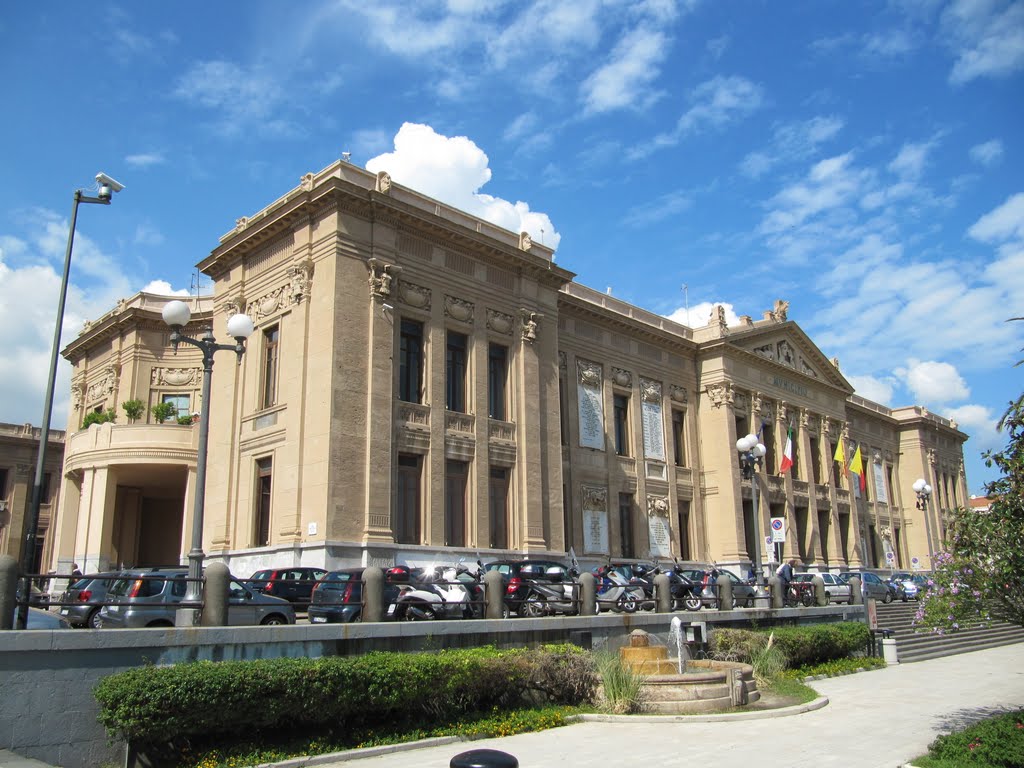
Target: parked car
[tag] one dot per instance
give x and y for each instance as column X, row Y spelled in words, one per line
column 338, row 597
column 82, row 600
column 518, row 573
column 150, row 597
column 743, row 590
column 836, row 591
column 293, row 584
column 870, row 585
column 914, row 586
column 40, row 619
column 37, row 597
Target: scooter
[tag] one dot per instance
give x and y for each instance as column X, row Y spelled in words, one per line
column 548, row 599
column 686, row 593
column 437, row 594
column 615, row 592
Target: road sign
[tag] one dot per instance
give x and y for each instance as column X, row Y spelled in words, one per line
column 778, row 530
column 768, row 541
column 890, row 555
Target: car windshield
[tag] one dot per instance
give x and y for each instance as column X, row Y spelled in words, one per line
column 340, row 576
column 261, row 576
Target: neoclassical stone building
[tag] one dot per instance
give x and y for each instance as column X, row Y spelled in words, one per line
column 422, row 385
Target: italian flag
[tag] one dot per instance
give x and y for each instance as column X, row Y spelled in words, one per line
column 787, row 455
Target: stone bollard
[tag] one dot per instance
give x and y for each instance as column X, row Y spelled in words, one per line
column 494, row 594
column 588, row 595
column 8, row 588
column 775, row 588
column 663, row 593
column 856, row 596
column 820, row 595
column 373, row 595
column 725, row 601
column 215, row 596
column 484, row 758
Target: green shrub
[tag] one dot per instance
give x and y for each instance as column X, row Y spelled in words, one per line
column 623, row 688
column 185, row 420
column 133, row 409
column 998, row 741
column 163, row 411
column 101, row 417
column 802, row 645
column 154, row 706
column 768, row 662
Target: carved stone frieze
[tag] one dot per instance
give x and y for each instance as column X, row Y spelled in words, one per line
column 529, row 320
column 720, row 394
column 807, row 370
column 458, row 309
column 499, row 322
column 589, row 374
column 595, row 498
column 785, row 354
column 650, row 391
column 741, row 402
column 621, row 377
column 382, row 278
column 766, row 351
column 266, row 305
column 415, row 295
column 300, row 280
column 77, row 390
column 176, row 377
column 234, row 305
column 678, row 394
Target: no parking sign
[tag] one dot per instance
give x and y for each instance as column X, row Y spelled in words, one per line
column 778, row 530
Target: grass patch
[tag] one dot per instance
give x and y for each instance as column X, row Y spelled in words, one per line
column 790, row 687
column 275, row 746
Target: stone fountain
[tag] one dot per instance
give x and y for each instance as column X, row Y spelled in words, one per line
column 675, row 686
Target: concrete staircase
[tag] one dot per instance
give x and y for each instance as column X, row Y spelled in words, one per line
column 914, row 645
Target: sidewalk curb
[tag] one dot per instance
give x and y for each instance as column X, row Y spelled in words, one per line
column 357, row 754
column 760, row 714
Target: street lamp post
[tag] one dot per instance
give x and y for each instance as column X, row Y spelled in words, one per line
column 177, row 314
column 752, row 452
column 106, row 189
column 924, row 493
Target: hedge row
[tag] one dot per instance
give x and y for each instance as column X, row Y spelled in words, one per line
column 802, row 646
column 153, row 705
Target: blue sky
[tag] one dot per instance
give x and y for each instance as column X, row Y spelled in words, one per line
column 862, row 160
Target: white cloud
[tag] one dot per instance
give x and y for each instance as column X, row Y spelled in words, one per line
column 910, row 161
column 987, row 38
column 521, row 126
column 830, row 184
column 987, row 154
column 163, row 288
column 625, row 80
column 145, row 160
column 699, row 314
column 891, row 43
column 979, row 422
column 452, row 170
column 148, row 235
column 877, row 390
column 663, row 207
column 932, row 382
column 792, row 141
column 1004, row 223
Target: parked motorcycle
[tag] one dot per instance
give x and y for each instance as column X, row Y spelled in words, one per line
column 615, row 592
column 686, row 593
column 551, row 598
column 438, row 593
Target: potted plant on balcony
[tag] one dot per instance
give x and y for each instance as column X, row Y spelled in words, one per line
column 133, row 409
column 98, row 417
column 163, row 411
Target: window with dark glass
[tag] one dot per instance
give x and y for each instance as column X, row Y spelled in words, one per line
column 407, row 499
column 815, row 459
column 768, row 440
column 497, row 380
column 455, row 476
column 563, row 408
column 742, row 430
column 838, row 470
column 410, row 367
column 180, row 403
column 455, row 372
column 626, row 524
column 44, row 488
column 685, row 552
column 621, row 420
column 270, row 355
column 679, row 437
column 264, row 476
column 498, row 508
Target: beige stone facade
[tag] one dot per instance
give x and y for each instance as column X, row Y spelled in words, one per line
column 423, row 385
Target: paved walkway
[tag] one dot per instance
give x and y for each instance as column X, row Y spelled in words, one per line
column 877, row 719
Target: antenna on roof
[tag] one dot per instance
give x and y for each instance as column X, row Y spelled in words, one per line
column 346, row 157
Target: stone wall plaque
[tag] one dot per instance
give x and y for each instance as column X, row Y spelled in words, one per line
column 654, row 434
column 591, row 410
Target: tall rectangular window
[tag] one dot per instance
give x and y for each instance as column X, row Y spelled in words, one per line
column 796, row 455
column 768, row 440
column 824, row 527
column 563, row 409
column 180, row 403
column 815, row 459
column 270, row 355
column 44, row 489
column 621, row 416
column 455, row 477
column 497, row 381
column 626, row 524
column 406, row 524
column 685, row 552
column 410, row 367
column 742, row 430
column 455, row 372
column 679, row 437
column 838, row 470
column 498, row 508
column 264, row 476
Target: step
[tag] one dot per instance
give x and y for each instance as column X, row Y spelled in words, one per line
column 924, row 654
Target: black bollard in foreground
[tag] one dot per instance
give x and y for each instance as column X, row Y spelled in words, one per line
column 483, row 758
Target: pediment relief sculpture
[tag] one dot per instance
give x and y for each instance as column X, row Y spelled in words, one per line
column 589, row 373
column 175, row 377
column 807, row 370
column 766, row 351
column 678, row 394
column 785, row 354
column 657, row 506
column 499, row 322
column 650, row 390
column 458, row 309
column 720, row 394
column 266, row 305
column 622, row 377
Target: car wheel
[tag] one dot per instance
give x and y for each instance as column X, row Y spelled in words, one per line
column 888, row 597
column 506, row 612
column 93, row 620
column 533, row 608
column 828, row 598
column 274, row 620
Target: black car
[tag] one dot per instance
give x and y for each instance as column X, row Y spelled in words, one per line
column 517, row 574
column 293, row 584
column 338, row 597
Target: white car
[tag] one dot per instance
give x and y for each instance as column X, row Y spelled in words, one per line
column 835, row 590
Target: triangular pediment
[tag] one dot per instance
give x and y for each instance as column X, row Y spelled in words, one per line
column 786, row 346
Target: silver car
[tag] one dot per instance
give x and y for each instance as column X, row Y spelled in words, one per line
column 836, row 591
column 150, row 597
column 870, row 585
column 40, row 619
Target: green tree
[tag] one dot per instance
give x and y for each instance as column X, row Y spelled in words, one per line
column 163, row 411
column 981, row 575
column 133, row 409
column 98, row 417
